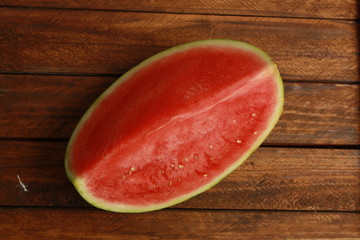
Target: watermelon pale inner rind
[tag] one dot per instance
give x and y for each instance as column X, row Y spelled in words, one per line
column 174, row 126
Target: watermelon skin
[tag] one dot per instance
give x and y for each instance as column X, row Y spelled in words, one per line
column 174, row 126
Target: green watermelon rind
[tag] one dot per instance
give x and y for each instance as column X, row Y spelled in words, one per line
column 80, row 184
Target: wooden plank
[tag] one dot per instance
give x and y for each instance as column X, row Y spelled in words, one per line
column 28, row 223
column 319, row 114
column 272, row 178
column 312, row 9
column 31, row 154
column 107, row 42
column 34, row 106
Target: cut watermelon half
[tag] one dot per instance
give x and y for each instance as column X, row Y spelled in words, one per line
column 174, row 126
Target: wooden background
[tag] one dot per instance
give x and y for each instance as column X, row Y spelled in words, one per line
column 56, row 57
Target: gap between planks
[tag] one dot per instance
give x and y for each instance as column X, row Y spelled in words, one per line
column 66, row 74
column 181, row 13
column 264, row 145
column 177, row 209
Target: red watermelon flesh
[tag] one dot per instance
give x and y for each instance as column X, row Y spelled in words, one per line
column 174, row 126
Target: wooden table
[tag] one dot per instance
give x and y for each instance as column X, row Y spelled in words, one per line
column 56, row 57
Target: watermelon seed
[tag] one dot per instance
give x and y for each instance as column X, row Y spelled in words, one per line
column 24, row 187
column 132, row 169
column 239, row 141
column 234, row 120
column 186, row 159
column 172, row 165
column 181, row 166
column 170, row 183
column 255, row 132
column 210, row 146
column 253, row 115
column 205, row 175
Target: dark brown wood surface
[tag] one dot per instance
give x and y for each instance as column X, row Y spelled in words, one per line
column 298, row 178
column 337, row 9
column 109, row 42
column 314, row 113
column 25, row 223
column 56, row 57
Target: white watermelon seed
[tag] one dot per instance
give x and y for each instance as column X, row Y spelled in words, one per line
column 238, row 141
column 181, row 166
column 132, row 169
column 210, row 146
column 24, row 187
column 255, row 132
column 205, row 175
column 253, row 115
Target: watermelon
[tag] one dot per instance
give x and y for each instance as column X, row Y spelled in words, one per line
column 174, row 126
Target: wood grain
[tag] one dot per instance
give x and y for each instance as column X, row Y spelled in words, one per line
column 312, row 9
column 319, row 114
column 46, row 106
column 107, row 42
column 31, row 154
column 33, row 106
column 90, row 224
column 272, row 178
column 305, row 188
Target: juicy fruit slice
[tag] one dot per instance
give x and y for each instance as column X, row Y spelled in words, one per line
column 174, row 126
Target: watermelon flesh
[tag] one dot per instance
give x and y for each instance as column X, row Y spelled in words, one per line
column 174, row 126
